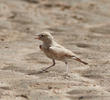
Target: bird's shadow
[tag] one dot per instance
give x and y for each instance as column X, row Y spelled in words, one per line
column 37, row 72
column 65, row 76
column 22, row 70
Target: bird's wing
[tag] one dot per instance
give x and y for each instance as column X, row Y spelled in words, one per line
column 61, row 51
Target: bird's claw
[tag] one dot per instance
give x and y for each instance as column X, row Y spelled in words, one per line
column 66, row 75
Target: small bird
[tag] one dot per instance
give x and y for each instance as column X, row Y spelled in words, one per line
column 55, row 51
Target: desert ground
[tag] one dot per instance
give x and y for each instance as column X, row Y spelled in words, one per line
column 83, row 26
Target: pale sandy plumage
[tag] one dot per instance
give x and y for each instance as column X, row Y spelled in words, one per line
column 55, row 51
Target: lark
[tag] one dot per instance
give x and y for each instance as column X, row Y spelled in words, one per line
column 55, row 51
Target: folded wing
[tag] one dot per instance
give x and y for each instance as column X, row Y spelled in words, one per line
column 61, row 51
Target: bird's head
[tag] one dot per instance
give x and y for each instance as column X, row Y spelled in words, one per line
column 45, row 37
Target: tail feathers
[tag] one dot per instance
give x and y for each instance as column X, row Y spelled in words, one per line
column 77, row 59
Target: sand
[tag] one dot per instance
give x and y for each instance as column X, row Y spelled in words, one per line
column 83, row 26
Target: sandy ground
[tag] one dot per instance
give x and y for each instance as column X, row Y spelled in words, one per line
column 82, row 26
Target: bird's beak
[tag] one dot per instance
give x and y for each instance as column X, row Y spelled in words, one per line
column 37, row 37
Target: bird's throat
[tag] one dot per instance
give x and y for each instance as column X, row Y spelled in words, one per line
column 48, row 43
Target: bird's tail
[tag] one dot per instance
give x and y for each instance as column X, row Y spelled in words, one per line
column 77, row 59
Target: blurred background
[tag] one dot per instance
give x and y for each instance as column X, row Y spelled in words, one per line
column 82, row 26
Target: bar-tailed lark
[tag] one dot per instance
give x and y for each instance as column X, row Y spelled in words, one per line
column 55, row 51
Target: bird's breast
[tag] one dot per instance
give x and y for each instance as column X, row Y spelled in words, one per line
column 46, row 51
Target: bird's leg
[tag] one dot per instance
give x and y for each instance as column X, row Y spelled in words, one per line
column 50, row 66
column 67, row 70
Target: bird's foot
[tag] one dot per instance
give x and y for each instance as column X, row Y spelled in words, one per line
column 66, row 75
column 39, row 72
column 44, row 70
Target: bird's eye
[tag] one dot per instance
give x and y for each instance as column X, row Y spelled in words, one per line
column 41, row 35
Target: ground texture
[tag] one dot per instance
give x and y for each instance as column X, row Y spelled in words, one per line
column 82, row 26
